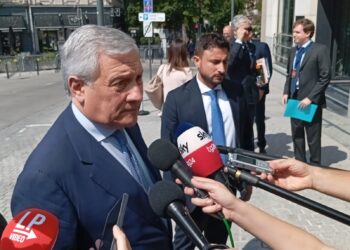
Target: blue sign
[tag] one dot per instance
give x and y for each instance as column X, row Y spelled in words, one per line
column 147, row 6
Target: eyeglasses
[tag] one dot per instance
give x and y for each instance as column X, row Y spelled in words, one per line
column 249, row 29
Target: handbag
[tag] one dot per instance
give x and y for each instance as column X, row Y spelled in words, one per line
column 154, row 90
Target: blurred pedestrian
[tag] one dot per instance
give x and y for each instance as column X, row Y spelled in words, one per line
column 227, row 32
column 176, row 71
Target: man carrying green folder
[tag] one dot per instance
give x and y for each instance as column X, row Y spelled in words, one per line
column 308, row 75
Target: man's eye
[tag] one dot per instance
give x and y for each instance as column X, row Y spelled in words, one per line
column 119, row 85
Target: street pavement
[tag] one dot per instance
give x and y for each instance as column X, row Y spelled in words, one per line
column 19, row 139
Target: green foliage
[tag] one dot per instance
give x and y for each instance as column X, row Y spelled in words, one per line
column 186, row 13
column 154, row 40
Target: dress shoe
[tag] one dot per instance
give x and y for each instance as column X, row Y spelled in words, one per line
column 262, row 151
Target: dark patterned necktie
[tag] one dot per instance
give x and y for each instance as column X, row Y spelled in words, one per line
column 298, row 55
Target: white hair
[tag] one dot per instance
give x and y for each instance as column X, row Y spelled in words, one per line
column 238, row 19
column 80, row 53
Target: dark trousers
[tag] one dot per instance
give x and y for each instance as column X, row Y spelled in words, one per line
column 313, row 133
column 260, row 122
column 214, row 231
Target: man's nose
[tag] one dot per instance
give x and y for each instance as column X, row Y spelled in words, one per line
column 221, row 67
column 136, row 93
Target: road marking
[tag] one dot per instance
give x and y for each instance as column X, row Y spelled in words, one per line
column 34, row 126
column 50, row 83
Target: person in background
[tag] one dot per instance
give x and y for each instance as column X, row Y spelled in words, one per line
column 191, row 46
column 94, row 152
column 242, row 69
column 177, row 71
column 227, row 32
column 262, row 50
column 308, row 75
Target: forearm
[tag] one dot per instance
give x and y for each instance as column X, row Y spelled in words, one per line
column 334, row 182
column 274, row 232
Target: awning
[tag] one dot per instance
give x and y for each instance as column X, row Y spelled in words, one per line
column 16, row 22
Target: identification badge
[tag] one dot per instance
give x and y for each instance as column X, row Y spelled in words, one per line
column 293, row 73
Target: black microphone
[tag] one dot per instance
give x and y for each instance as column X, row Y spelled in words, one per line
column 167, row 200
column 166, row 157
column 288, row 195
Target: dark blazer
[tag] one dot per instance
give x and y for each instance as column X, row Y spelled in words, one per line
column 314, row 74
column 262, row 50
column 241, row 68
column 72, row 176
column 185, row 104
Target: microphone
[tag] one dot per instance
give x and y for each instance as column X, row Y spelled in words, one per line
column 201, row 154
column 31, row 229
column 165, row 156
column 168, row 201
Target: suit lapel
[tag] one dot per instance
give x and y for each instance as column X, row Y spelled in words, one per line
column 193, row 99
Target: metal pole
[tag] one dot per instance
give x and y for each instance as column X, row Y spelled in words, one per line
column 99, row 7
column 150, row 54
column 232, row 10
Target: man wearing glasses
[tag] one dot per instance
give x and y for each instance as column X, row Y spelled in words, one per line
column 241, row 68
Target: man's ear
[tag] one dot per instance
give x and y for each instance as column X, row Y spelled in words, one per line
column 76, row 88
column 196, row 60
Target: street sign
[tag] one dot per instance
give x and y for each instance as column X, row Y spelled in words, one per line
column 147, row 6
column 152, row 17
column 147, row 29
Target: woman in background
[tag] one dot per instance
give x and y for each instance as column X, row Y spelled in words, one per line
column 177, row 71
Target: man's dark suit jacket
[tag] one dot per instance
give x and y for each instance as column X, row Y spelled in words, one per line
column 185, row 104
column 314, row 74
column 72, row 176
column 262, row 50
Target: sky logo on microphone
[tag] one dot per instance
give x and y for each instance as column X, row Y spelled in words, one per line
column 183, row 148
column 202, row 135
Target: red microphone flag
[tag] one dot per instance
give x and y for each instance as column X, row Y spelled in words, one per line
column 31, row 229
column 199, row 152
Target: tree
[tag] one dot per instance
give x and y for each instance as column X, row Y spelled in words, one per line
column 187, row 14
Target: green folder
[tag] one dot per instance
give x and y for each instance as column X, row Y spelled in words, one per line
column 306, row 114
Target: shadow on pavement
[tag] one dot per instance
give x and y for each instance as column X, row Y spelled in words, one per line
column 277, row 144
column 332, row 154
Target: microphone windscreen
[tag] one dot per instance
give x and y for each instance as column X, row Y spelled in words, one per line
column 162, row 154
column 182, row 128
column 31, row 229
column 199, row 152
column 162, row 194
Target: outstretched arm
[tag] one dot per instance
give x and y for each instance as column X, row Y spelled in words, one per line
column 280, row 235
column 295, row 175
